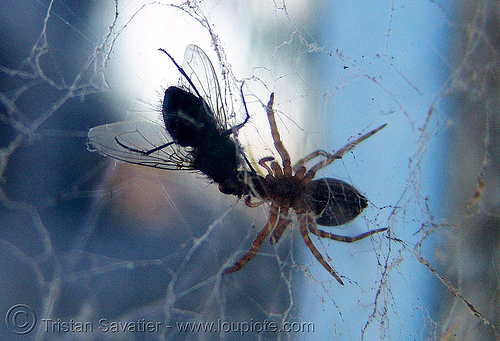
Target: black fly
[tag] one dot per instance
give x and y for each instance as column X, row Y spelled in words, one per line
column 198, row 134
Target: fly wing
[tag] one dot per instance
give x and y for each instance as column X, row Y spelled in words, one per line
column 131, row 142
column 201, row 72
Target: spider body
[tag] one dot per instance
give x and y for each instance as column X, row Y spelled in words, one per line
column 333, row 201
column 283, row 191
column 325, row 201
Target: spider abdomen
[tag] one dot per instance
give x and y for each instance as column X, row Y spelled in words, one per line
column 333, row 201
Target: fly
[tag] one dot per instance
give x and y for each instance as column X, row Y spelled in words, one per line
column 198, row 139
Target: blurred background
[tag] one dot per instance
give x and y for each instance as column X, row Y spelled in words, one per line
column 86, row 239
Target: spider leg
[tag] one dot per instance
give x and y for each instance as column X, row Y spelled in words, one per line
column 283, row 223
column 310, row 157
column 300, row 172
column 338, row 154
column 304, row 221
column 249, row 203
column 278, row 144
column 262, row 163
column 257, row 241
column 345, row 239
column 278, row 172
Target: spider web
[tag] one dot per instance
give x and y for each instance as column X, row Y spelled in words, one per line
column 85, row 239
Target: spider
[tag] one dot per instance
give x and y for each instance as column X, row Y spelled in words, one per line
column 197, row 137
column 326, row 201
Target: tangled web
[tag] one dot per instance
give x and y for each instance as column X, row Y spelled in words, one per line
column 103, row 250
